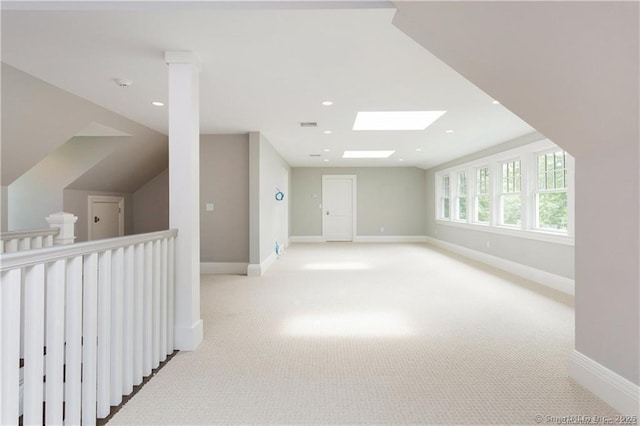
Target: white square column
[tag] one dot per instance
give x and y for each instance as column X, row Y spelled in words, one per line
column 184, row 193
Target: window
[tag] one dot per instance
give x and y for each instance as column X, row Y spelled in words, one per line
column 461, row 197
column 551, row 193
column 510, row 201
column 525, row 192
column 482, row 203
column 444, row 198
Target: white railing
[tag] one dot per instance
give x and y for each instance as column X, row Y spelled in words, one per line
column 103, row 313
column 13, row 241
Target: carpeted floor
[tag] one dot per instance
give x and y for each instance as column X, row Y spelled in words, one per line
column 371, row 333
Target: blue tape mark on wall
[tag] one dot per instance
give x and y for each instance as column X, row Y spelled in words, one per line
column 279, row 195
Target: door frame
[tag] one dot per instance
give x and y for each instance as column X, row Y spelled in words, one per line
column 354, row 203
column 105, row 199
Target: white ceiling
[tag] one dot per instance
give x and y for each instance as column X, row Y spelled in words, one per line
column 266, row 70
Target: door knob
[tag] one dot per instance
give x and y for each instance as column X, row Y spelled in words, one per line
column 96, row 219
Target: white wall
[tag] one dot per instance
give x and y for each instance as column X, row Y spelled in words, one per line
column 570, row 69
column 390, row 197
column 39, row 192
column 151, row 205
column 224, row 182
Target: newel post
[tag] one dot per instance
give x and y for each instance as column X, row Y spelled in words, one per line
column 66, row 223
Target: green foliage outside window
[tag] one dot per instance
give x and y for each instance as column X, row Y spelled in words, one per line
column 511, row 209
column 483, row 208
column 552, row 210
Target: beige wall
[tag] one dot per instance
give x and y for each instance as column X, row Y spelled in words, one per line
column 76, row 201
column 39, row 192
column 224, row 181
column 151, row 205
column 268, row 218
column 570, row 69
column 274, row 173
column 393, row 198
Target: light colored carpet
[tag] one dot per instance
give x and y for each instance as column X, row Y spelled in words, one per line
column 371, row 333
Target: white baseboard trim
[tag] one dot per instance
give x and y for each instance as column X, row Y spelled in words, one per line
column 556, row 282
column 363, row 239
column 189, row 338
column 224, row 268
column 306, row 239
column 390, row 239
column 612, row 388
column 257, row 270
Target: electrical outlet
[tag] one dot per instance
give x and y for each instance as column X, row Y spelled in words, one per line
column 436, row 232
column 488, row 244
column 381, row 229
column 209, row 207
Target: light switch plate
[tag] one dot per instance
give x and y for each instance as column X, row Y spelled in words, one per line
column 209, row 207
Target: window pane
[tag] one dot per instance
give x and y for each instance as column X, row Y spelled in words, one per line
column 483, row 180
column 445, row 186
column 445, row 208
column 511, row 176
column 559, row 160
column 462, row 209
column 482, row 208
column 462, row 183
column 550, row 162
column 559, row 179
column 540, row 164
column 510, row 209
column 552, row 210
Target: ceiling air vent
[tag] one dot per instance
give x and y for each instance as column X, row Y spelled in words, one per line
column 315, row 155
column 308, row 124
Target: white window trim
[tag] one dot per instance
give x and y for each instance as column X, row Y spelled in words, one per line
column 527, row 155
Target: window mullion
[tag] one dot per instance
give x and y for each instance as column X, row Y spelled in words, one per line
column 494, row 192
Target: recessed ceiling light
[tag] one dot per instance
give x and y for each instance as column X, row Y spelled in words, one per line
column 448, row 131
column 418, row 149
column 496, row 102
column 400, row 159
column 326, row 160
column 367, row 154
column 327, row 103
column 396, row 120
column 327, row 132
column 326, row 150
column 157, row 103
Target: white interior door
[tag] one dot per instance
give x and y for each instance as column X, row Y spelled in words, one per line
column 338, row 208
column 105, row 218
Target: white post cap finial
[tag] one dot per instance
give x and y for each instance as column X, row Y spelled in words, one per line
column 66, row 223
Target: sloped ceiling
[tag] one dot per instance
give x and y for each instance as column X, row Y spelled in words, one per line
column 38, row 118
column 264, row 70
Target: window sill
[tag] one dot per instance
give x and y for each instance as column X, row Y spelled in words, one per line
column 549, row 237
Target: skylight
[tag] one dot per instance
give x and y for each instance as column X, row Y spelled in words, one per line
column 396, row 120
column 367, row 154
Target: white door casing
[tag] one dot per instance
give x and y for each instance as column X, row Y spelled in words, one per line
column 338, row 207
column 105, row 217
